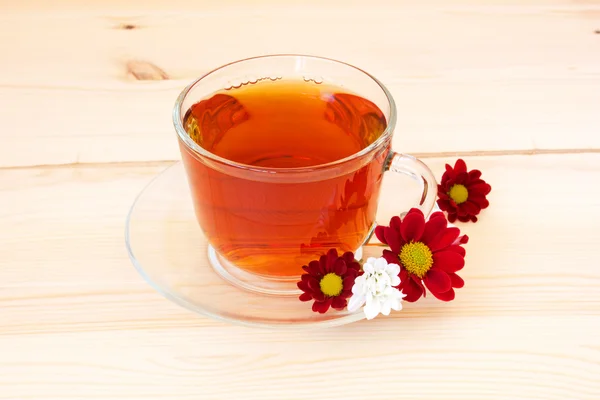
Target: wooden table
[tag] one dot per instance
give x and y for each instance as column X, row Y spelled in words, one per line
column 86, row 90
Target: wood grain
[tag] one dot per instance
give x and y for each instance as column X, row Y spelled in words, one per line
column 78, row 322
column 86, row 90
column 467, row 75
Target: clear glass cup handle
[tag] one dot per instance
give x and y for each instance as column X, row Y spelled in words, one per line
column 417, row 170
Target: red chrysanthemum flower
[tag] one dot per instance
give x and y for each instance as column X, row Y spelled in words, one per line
column 428, row 253
column 329, row 281
column 462, row 193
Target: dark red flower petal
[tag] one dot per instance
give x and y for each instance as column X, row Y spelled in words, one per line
column 415, row 210
column 349, row 258
column 460, row 166
column 444, row 239
column 313, row 283
column 339, row 303
column 332, row 256
column 352, row 273
column 348, row 282
column 469, row 207
column 391, row 257
column 437, row 281
column 323, row 265
column 449, row 261
column 437, row 214
column 393, row 239
column 433, row 228
column 444, row 204
column 353, row 267
column 413, row 226
column 419, row 282
column 446, row 296
column 321, row 306
column 339, row 267
column 482, row 188
column 457, row 249
column 404, row 278
column 452, row 216
column 480, row 200
column 305, row 297
column 302, row 285
column 412, row 291
column 457, row 281
column 462, row 240
column 467, row 218
column 474, row 174
column 449, row 174
column 318, row 296
column 478, row 181
column 396, row 223
column 380, row 233
column 461, row 179
column 312, row 268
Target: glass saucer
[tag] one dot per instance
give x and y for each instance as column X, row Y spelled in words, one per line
column 170, row 251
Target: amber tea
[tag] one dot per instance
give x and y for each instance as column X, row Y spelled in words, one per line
column 272, row 227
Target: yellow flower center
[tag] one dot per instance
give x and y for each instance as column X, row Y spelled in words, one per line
column 417, row 258
column 331, row 285
column 459, row 194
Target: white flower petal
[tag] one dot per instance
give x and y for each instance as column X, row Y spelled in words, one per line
column 359, row 285
column 393, row 269
column 396, row 304
column 398, row 294
column 356, row 302
column 381, row 264
column 386, row 307
column 375, row 289
column 372, row 308
column 371, row 260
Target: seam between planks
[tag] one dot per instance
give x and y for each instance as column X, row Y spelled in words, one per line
column 473, row 153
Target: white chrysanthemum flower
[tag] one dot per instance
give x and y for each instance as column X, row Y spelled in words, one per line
column 375, row 289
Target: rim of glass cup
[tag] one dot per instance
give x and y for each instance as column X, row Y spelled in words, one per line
column 190, row 144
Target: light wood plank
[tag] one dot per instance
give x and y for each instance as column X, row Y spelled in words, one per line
column 76, row 321
column 151, row 6
column 467, row 76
